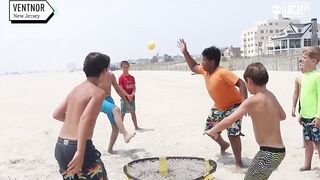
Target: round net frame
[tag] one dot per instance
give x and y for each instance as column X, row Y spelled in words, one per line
column 170, row 168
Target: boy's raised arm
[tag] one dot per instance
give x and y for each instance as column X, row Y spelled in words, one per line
column 190, row 61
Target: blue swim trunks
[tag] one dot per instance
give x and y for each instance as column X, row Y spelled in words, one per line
column 107, row 107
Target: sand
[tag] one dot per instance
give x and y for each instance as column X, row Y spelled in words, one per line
column 171, row 106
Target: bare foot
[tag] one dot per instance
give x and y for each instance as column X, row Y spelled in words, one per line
column 138, row 129
column 110, row 151
column 128, row 137
column 305, row 169
column 239, row 165
column 224, row 147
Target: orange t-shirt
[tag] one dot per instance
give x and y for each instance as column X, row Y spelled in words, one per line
column 221, row 87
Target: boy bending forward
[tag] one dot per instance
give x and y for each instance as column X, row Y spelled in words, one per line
column 266, row 113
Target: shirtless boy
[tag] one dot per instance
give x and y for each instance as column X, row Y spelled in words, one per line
column 113, row 112
column 266, row 114
column 74, row 151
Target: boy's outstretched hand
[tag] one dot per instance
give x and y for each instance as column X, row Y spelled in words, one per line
column 75, row 165
column 182, row 46
column 316, row 122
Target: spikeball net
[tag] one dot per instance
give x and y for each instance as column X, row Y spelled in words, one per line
column 170, row 168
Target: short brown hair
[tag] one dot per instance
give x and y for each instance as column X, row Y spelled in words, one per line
column 313, row 53
column 95, row 63
column 257, row 72
column 124, row 62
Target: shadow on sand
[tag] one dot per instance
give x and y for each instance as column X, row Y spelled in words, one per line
column 132, row 153
column 228, row 159
column 144, row 130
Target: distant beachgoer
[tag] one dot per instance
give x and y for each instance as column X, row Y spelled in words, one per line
column 113, row 112
column 266, row 113
column 310, row 103
column 127, row 84
column 222, row 88
column 74, row 151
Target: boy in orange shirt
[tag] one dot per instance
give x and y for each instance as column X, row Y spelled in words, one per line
column 221, row 85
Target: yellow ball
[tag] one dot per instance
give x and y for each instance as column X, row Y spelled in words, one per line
column 151, row 45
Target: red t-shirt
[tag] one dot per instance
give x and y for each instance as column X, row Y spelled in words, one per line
column 127, row 83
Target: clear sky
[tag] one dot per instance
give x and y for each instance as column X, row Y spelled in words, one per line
column 122, row 29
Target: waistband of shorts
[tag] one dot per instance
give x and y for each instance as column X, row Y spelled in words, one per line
column 273, row 149
column 234, row 105
column 71, row 142
column 307, row 120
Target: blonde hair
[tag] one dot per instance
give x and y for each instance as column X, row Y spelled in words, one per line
column 313, row 53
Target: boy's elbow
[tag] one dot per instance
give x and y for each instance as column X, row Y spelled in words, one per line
column 283, row 116
column 194, row 68
column 57, row 117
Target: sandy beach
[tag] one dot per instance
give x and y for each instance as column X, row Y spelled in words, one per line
column 172, row 107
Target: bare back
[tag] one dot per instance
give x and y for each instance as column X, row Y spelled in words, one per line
column 82, row 104
column 111, row 79
column 266, row 114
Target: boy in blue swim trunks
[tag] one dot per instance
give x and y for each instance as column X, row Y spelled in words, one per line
column 113, row 112
column 310, row 103
column 74, row 151
column 266, row 114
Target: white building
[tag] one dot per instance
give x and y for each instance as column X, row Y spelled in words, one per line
column 231, row 52
column 255, row 40
column 294, row 38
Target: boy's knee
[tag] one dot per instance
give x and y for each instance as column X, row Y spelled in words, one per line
column 116, row 109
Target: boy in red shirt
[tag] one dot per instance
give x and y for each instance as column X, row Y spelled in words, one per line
column 128, row 85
